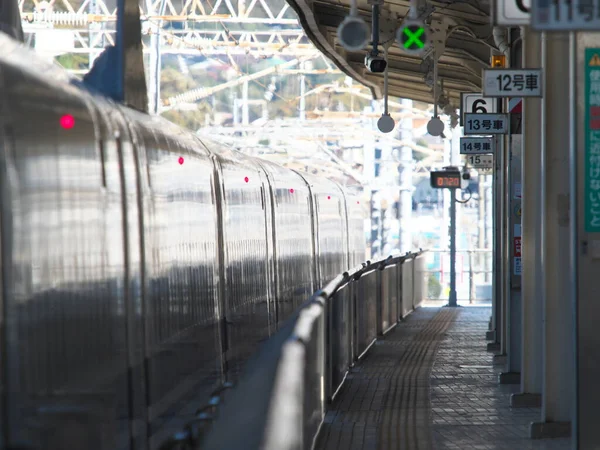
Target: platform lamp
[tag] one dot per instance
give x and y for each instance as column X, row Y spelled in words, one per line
column 385, row 123
column 498, row 61
column 353, row 32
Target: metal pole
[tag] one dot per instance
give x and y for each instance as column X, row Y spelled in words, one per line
column 481, row 257
column 302, row 98
column 245, row 114
column 93, row 9
column 497, row 266
column 557, row 395
column 574, row 156
column 406, row 185
column 531, row 245
column 471, row 278
column 452, row 298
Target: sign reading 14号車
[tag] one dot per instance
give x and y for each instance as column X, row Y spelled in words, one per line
column 476, row 145
column 486, row 124
column 512, row 83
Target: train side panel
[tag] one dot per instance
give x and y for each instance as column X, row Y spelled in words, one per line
column 181, row 273
column 294, row 249
column 357, row 214
column 63, row 265
column 331, row 227
column 246, row 295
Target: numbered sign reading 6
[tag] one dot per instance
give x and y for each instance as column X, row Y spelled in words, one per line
column 472, row 103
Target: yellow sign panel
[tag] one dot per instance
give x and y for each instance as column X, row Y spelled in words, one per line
column 595, row 61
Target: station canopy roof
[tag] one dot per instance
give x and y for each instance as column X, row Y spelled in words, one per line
column 461, row 32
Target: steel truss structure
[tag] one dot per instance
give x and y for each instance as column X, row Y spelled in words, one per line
column 186, row 27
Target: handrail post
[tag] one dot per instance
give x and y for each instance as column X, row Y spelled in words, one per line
column 471, row 278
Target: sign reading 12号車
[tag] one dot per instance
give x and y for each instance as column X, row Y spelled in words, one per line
column 486, row 124
column 512, row 83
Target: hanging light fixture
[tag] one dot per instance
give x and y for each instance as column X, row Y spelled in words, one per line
column 353, row 32
column 385, row 123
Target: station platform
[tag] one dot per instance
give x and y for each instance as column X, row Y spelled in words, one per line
column 430, row 384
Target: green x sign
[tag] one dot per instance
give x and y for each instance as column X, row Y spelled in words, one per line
column 412, row 36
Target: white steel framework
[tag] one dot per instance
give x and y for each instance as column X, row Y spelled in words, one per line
column 195, row 25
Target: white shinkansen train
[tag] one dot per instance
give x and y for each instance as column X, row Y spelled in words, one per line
column 140, row 265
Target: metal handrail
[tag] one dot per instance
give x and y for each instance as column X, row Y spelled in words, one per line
column 284, row 383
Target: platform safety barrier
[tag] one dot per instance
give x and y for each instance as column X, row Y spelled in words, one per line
column 280, row 401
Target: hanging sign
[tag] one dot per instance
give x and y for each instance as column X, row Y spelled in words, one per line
column 512, row 82
column 486, row 124
column 471, row 102
column 481, row 161
column 565, row 15
column 512, row 12
column 476, row 145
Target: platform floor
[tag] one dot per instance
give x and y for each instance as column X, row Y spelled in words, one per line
column 430, row 384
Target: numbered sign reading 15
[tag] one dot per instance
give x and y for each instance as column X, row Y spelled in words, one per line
column 512, row 83
column 486, row 124
column 481, row 161
column 445, row 179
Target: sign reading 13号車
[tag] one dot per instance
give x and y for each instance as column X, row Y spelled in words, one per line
column 486, row 124
column 512, row 83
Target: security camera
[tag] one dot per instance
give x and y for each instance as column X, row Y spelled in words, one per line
column 375, row 64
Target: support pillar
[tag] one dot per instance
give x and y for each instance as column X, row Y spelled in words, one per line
column 497, row 266
column 131, row 58
column 557, row 392
column 531, row 242
column 586, row 238
column 513, row 154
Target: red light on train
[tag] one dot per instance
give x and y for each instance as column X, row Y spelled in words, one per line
column 181, row 160
column 329, row 197
column 358, row 203
column 291, row 190
column 246, row 179
column 67, row 121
